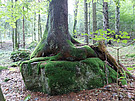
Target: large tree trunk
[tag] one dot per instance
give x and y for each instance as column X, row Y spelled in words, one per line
column 58, row 39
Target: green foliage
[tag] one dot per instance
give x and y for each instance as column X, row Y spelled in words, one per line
column 129, row 68
column 103, row 35
column 130, row 55
column 6, row 80
column 123, row 78
column 27, row 98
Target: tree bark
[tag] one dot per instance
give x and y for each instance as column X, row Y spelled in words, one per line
column 39, row 26
column 23, row 32
column 94, row 18
column 13, row 37
column 105, row 16
column 16, row 35
column 75, row 17
column 58, row 38
column 117, row 18
column 1, row 95
column 34, row 26
column 86, row 20
column 89, row 17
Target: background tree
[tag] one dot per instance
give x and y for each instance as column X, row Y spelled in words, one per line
column 94, row 18
column 117, row 17
column 1, row 95
column 105, row 16
column 75, row 17
column 86, row 20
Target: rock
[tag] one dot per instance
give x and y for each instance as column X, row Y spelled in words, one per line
column 60, row 77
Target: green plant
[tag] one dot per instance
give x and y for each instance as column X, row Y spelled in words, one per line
column 27, row 98
column 2, row 67
column 6, row 80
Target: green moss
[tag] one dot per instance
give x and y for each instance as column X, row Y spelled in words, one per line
column 29, row 68
column 2, row 67
column 80, row 53
column 40, row 45
column 38, row 67
column 60, row 75
column 52, row 58
column 63, row 74
column 97, row 66
column 70, row 43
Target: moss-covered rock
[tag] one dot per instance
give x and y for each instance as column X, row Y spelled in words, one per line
column 60, row 77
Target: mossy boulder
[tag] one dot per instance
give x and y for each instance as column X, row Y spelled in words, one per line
column 60, row 77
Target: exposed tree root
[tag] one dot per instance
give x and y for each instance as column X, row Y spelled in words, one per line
column 103, row 54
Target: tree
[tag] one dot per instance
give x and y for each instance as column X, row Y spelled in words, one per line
column 34, row 26
column 105, row 16
column 94, row 18
column 86, row 20
column 39, row 25
column 1, row 95
column 16, row 34
column 58, row 36
column 75, row 17
column 59, row 57
column 23, row 31
column 117, row 17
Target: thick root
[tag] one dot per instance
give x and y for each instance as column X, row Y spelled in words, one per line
column 103, row 54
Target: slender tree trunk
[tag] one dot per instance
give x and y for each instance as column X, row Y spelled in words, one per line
column 86, row 20
column 94, row 18
column 117, row 18
column 1, row 40
column 40, row 28
column 16, row 35
column 105, row 16
column 23, row 32
column 75, row 17
column 16, row 43
column 133, row 20
column 34, row 26
column 1, row 95
column 13, row 37
column 105, row 19
column 89, row 16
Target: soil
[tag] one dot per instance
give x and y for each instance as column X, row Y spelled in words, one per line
column 14, row 89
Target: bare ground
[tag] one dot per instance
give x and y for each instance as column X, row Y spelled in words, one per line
column 14, row 89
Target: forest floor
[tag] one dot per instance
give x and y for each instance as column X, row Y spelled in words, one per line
column 14, row 89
